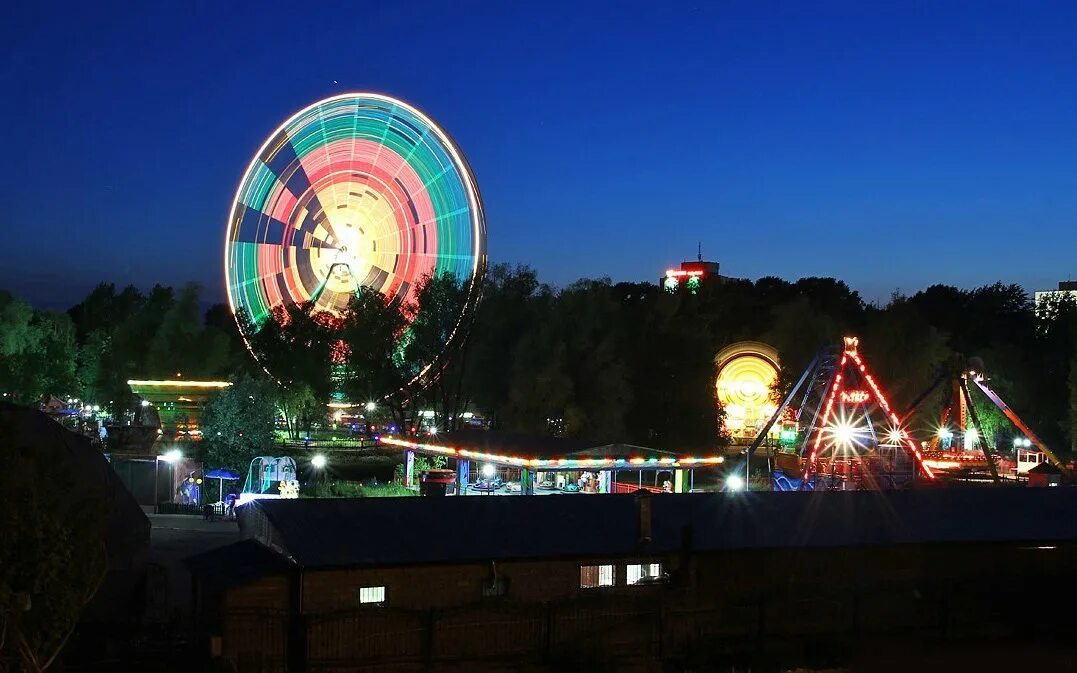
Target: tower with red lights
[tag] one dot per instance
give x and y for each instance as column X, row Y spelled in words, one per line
column 690, row 276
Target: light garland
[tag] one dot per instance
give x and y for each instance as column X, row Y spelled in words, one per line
column 610, row 462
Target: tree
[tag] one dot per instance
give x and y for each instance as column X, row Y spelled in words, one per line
column 513, row 305
column 438, row 340
column 299, row 408
column 38, row 354
column 296, row 345
column 373, row 340
column 905, row 354
column 798, row 331
column 238, row 423
column 52, row 560
column 182, row 344
column 1073, row 403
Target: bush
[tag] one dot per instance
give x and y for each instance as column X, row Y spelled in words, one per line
column 350, row 489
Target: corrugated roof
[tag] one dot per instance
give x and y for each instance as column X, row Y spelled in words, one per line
column 405, row 531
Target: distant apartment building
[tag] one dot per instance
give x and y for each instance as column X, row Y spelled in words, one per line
column 1064, row 287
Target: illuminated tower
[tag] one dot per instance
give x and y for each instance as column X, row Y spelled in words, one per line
column 691, row 274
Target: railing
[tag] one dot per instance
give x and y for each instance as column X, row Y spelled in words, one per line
column 216, row 509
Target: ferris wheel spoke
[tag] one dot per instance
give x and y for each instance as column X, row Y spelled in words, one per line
column 357, row 190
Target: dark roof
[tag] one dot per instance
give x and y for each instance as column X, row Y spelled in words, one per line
column 404, row 531
column 24, row 430
column 621, row 451
column 235, row 564
column 1045, row 468
column 392, row 531
column 75, row 472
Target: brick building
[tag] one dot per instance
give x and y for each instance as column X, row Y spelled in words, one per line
column 624, row 582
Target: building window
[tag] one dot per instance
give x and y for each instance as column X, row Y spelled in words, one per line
column 372, row 595
column 635, row 572
column 592, row 577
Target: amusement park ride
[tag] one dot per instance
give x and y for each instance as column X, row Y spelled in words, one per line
column 846, row 435
column 361, row 191
column 958, row 409
column 840, row 431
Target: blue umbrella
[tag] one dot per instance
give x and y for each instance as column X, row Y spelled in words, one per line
column 222, row 474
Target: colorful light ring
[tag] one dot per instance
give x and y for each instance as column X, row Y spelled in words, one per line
column 744, row 388
column 555, row 463
column 355, row 191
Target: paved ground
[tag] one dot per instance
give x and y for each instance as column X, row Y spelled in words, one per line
column 174, row 537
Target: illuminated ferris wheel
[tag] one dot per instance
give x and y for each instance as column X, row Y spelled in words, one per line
column 355, row 191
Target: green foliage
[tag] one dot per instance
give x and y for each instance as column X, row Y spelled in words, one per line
column 1073, row 402
column 38, row 352
column 296, row 345
column 238, row 422
column 131, row 335
column 422, row 464
column 370, row 330
column 300, row 409
column 904, row 351
column 52, row 559
column 597, row 360
column 349, row 489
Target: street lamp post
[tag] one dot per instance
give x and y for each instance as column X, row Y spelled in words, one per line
column 170, row 457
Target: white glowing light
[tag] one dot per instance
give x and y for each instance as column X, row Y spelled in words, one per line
column 945, row 433
column 371, row 406
column 488, row 470
column 318, row 462
column 734, row 482
column 173, row 456
column 845, row 434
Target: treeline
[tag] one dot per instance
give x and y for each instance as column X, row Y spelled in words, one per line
column 600, row 360
column 92, row 350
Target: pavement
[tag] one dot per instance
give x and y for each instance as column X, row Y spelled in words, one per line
column 174, row 537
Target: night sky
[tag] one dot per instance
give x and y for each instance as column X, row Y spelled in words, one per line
column 893, row 146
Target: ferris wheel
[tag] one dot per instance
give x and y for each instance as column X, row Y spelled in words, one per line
column 355, row 191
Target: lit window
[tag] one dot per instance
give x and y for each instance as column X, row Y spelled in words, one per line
column 639, row 571
column 592, row 577
column 371, row 595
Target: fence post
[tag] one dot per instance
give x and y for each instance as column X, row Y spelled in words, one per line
column 295, row 640
column 659, row 624
column 547, row 633
column 430, row 636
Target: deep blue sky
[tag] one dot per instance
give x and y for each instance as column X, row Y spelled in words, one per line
column 892, row 145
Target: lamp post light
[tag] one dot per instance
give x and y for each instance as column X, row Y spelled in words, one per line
column 170, row 457
column 734, row 482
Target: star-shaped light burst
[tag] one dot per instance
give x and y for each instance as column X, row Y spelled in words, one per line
column 895, row 436
column 846, row 434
